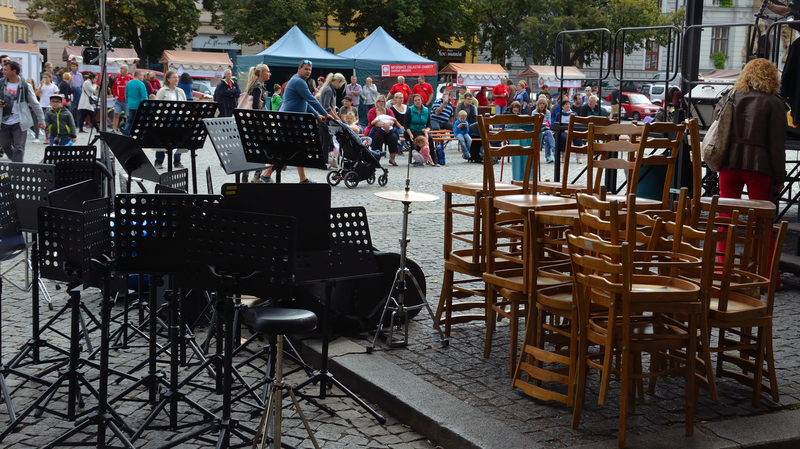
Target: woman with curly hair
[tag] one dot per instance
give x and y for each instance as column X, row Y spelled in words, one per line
column 757, row 152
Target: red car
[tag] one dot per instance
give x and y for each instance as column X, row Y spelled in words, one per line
column 637, row 106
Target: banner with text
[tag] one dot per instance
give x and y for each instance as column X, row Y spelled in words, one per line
column 408, row 69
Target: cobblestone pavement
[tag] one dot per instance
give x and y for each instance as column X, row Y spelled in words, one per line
column 460, row 369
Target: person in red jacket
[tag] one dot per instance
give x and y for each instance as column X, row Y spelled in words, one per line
column 120, row 82
column 500, row 96
column 401, row 87
column 425, row 90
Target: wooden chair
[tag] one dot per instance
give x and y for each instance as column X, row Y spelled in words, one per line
column 736, row 314
column 464, row 253
column 605, row 142
column 506, row 227
column 667, row 158
column 693, row 129
column 564, row 187
column 603, row 276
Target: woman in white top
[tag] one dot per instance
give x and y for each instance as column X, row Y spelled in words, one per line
column 170, row 92
column 399, row 109
column 86, row 105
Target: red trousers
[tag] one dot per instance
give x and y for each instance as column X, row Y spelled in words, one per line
column 759, row 187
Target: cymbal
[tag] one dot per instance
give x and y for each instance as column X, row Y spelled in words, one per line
column 409, row 196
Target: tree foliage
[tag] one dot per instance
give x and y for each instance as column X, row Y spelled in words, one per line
column 149, row 26
column 523, row 26
column 420, row 25
column 256, row 21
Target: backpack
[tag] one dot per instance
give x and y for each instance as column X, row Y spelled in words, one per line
column 440, row 152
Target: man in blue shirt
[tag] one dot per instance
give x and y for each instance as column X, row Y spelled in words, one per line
column 135, row 92
column 441, row 113
column 297, row 97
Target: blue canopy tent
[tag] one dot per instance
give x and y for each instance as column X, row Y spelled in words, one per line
column 379, row 55
column 285, row 55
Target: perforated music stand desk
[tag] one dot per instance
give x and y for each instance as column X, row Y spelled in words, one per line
column 224, row 136
column 173, row 125
column 128, row 151
column 73, row 164
column 281, row 139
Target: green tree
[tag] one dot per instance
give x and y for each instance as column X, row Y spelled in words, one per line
column 498, row 33
column 420, row 25
column 519, row 26
column 149, row 26
column 256, row 21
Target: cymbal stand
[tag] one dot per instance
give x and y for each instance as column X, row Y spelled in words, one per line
column 399, row 319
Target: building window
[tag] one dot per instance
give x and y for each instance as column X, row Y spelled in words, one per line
column 651, row 55
column 616, row 62
column 719, row 40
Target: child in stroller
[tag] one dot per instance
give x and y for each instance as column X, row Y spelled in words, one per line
column 356, row 161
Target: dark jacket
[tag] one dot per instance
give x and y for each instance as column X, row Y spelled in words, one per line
column 587, row 111
column 790, row 80
column 227, row 96
column 472, row 112
column 758, row 134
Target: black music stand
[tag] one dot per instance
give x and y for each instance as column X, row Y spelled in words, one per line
column 234, row 253
column 70, row 240
column 350, row 257
column 177, row 180
column 146, row 241
column 281, row 139
column 224, row 136
column 31, row 183
column 173, row 125
column 12, row 244
column 73, row 164
column 131, row 157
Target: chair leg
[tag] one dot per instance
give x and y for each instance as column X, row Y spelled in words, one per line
column 759, row 365
column 490, row 318
column 514, row 324
column 721, row 351
column 605, row 377
column 773, row 381
column 626, row 386
column 691, row 386
column 580, row 389
column 705, row 351
column 446, row 301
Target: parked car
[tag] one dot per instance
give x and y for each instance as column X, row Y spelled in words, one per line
column 637, row 106
column 655, row 92
column 608, row 85
column 660, row 77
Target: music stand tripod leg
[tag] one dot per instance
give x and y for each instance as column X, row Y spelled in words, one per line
column 3, row 388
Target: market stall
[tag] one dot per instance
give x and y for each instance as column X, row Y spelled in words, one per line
column 474, row 74
column 285, row 55
column 198, row 64
column 546, row 75
column 28, row 57
column 381, row 57
column 114, row 59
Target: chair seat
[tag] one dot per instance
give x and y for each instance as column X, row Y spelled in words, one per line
column 551, row 187
column 471, row 188
column 642, row 204
column 740, row 204
column 740, row 307
column 520, row 204
column 279, row 321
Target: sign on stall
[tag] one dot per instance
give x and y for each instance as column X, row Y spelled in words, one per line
column 408, row 69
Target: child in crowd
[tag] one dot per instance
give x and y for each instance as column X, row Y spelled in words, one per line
column 351, row 120
column 60, row 124
column 424, row 150
column 461, row 130
column 276, row 97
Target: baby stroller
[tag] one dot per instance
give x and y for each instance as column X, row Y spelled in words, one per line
column 356, row 163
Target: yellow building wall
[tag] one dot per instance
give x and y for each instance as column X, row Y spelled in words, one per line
column 11, row 29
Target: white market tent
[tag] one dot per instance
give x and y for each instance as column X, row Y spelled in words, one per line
column 474, row 74
column 198, row 64
column 546, row 74
column 28, row 57
column 114, row 58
